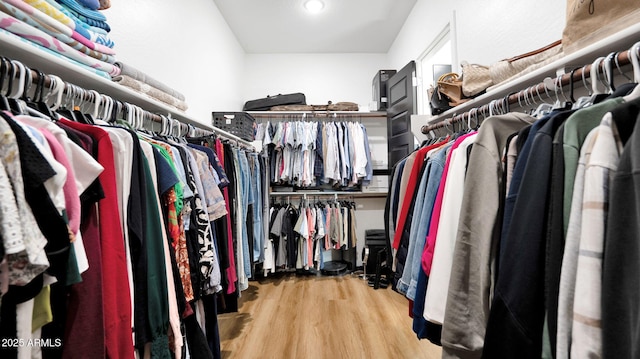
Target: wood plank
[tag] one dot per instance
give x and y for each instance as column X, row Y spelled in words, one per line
column 293, row 316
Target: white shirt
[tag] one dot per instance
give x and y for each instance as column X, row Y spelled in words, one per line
column 568, row 272
column 436, row 298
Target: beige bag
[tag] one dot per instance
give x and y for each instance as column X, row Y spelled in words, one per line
column 504, row 70
column 590, row 21
column 450, row 85
column 338, row 106
column 475, row 79
column 291, row 108
column 342, row 106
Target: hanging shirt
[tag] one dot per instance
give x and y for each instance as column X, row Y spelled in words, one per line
column 436, row 298
column 342, row 158
column 302, row 228
column 425, row 198
column 518, row 310
column 231, row 271
column 586, row 338
column 318, row 167
column 577, row 128
column 512, row 155
column 176, row 341
column 122, row 143
column 311, row 223
column 412, row 179
column 620, row 260
column 22, row 240
column 470, row 281
column 212, row 195
column 117, row 305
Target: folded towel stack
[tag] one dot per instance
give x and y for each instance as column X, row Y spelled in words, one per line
column 73, row 30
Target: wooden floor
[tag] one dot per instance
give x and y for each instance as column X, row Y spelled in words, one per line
column 320, row 317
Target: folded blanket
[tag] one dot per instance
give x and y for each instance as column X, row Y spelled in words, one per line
column 98, row 30
column 83, row 10
column 30, row 33
column 6, row 36
column 136, row 74
column 84, row 23
column 88, row 22
column 59, row 26
column 150, row 91
column 21, row 15
column 61, row 17
column 91, row 4
column 93, row 23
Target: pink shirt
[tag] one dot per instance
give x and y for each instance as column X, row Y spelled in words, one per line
column 427, row 253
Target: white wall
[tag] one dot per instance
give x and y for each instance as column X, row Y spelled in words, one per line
column 186, row 45
column 487, row 30
column 321, row 77
column 217, row 75
column 190, row 47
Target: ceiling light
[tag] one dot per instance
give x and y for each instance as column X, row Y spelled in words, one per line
column 314, row 6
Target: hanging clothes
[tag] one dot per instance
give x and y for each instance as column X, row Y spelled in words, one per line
column 149, row 208
column 620, row 259
column 436, row 234
column 309, row 154
column 299, row 235
column 509, row 282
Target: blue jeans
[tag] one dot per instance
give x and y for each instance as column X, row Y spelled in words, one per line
column 245, row 182
column 256, row 190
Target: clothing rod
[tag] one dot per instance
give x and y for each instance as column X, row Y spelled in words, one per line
column 329, row 194
column 574, row 77
column 275, row 194
column 321, row 114
column 231, row 136
column 85, row 95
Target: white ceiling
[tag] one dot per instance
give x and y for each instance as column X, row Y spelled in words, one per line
column 344, row 26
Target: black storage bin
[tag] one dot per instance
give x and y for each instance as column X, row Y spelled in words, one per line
column 240, row 124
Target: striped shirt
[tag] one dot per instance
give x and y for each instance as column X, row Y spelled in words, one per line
column 587, row 331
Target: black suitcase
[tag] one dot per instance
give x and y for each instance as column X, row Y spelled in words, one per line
column 265, row 104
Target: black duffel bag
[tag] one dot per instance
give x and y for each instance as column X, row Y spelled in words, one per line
column 265, row 104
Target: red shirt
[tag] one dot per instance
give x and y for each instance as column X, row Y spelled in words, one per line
column 411, row 189
column 118, row 339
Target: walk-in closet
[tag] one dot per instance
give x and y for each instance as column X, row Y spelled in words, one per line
column 319, row 179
